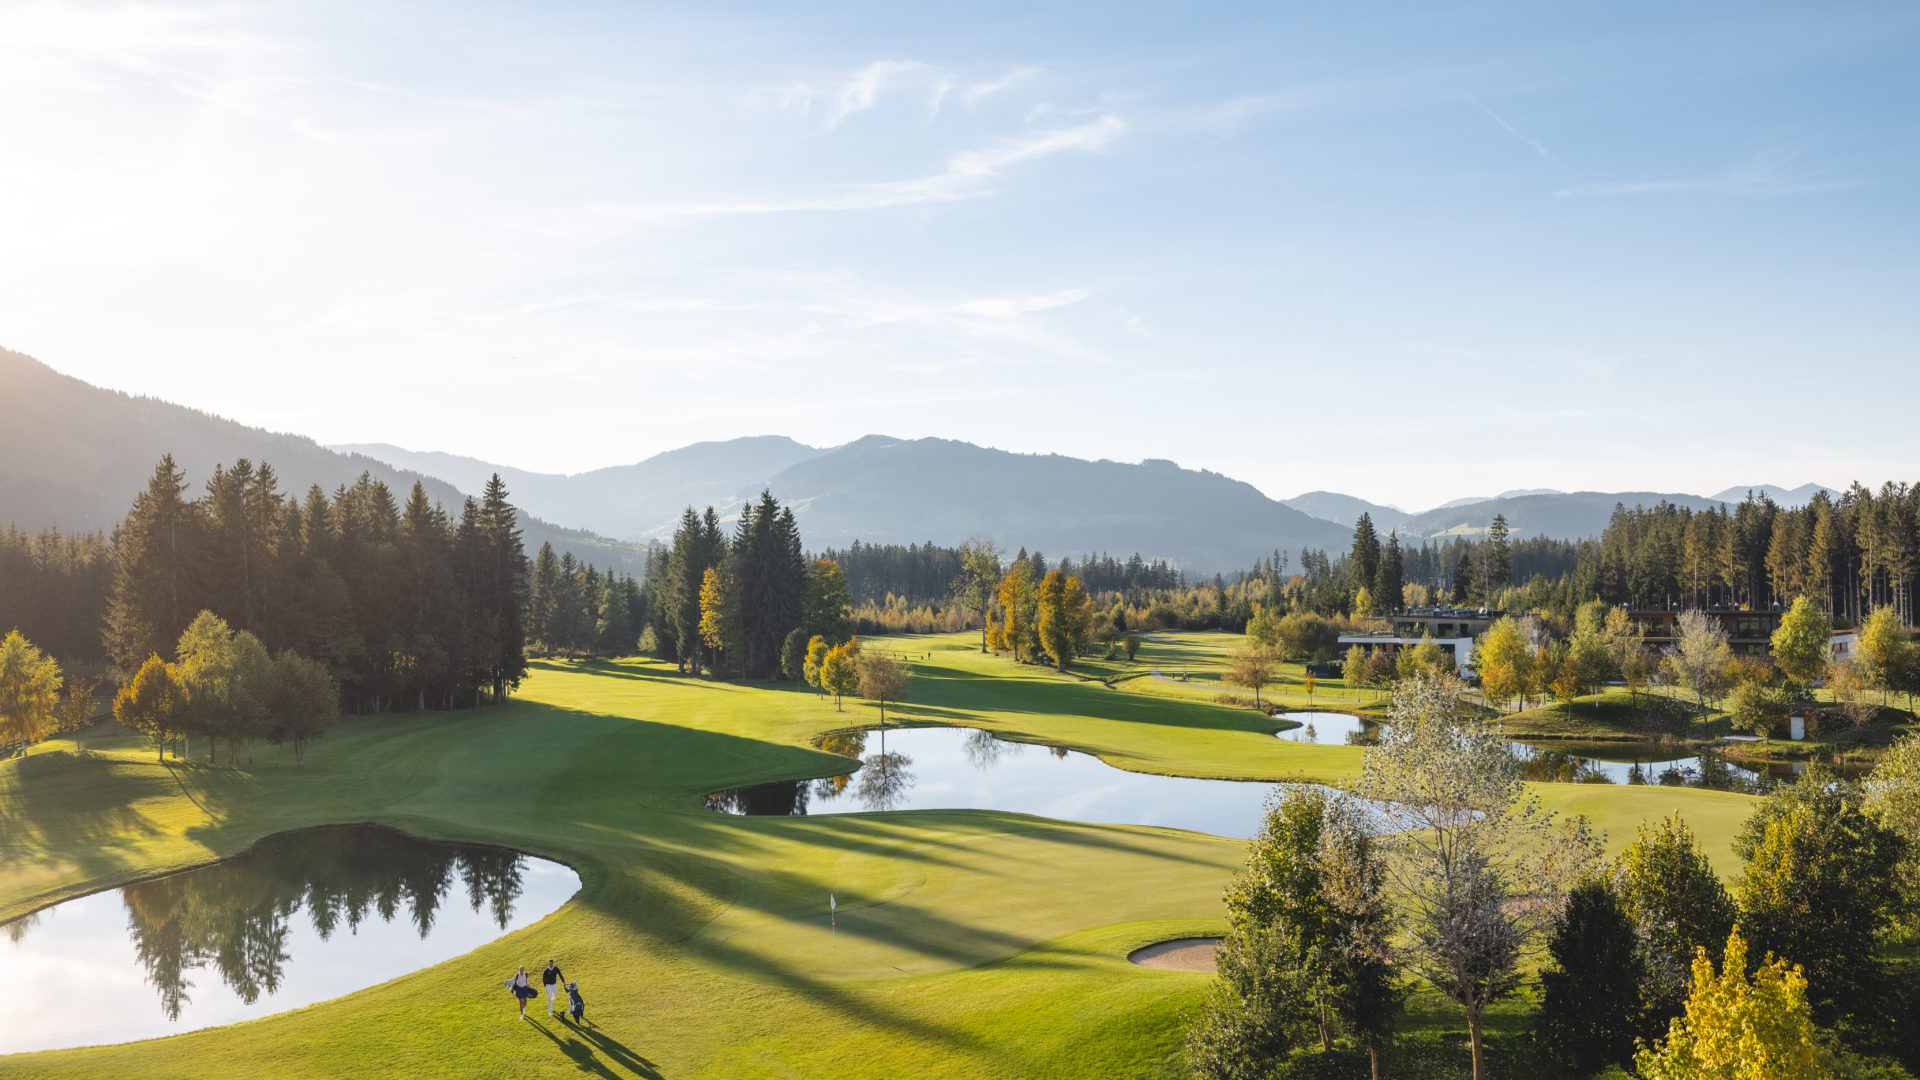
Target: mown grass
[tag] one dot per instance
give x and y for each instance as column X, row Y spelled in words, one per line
column 970, row 943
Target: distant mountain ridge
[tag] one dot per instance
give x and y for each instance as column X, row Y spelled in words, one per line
column 1792, row 499
column 1567, row 515
column 1346, row 509
column 74, row 455
column 884, row 489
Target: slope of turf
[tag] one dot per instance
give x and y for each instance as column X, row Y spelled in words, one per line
column 970, row 944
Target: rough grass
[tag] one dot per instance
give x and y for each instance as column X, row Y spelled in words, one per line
column 971, row 944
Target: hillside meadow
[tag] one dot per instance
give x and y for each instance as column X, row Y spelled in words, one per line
column 970, row 943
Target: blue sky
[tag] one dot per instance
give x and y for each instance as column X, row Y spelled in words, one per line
column 1411, row 253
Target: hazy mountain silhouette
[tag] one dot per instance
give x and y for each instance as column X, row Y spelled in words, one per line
column 625, row 500
column 1346, row 509
column 1797, row 497
column 75, row 455
column 1567, row 515
column 881, row 489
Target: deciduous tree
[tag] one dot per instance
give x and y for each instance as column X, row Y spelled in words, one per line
column 1251, row 667
column 1803, row 643
column 1739, row 1029
column 153, row 703
column 1479, row 870
column 1669, row 889
column 29, row 690
column 883, row 680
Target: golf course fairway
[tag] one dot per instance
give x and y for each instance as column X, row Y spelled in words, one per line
column 969, row 943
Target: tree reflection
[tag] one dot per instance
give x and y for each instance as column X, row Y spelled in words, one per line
column 883, row 780
column 777, row 798
column 237, row 916
column 984, row 750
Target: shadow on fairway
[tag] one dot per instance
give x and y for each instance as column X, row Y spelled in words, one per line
column 580, row 1050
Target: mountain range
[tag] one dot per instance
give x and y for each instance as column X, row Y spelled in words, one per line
column 884, row 489
column 73, row 455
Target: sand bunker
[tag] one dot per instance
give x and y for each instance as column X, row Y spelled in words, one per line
column 1180, row 954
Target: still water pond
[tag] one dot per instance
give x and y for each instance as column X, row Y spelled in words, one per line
column 1649, row 762
column 300, row 918
column 943, row 768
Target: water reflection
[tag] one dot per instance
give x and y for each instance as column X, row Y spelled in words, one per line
column 226, row 942
column 964, row 768
column 1329, row 729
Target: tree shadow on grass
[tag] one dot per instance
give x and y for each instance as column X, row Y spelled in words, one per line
column 590, row 1037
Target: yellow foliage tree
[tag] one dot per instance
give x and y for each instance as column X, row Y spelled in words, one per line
column 1504, row 659
column 29, row 690
column 1740, row 1030
column 716, row 622
column 840, row 671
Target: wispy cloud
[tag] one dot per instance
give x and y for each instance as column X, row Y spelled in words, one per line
column 967, row 175
column 1511, row 130
column 973, row 94
column 1764, row 175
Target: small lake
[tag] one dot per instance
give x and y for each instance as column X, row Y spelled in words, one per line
column 944, row 768
column 1325, row 728
column 299, row 918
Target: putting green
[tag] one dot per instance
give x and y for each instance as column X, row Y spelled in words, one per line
column 970, row 943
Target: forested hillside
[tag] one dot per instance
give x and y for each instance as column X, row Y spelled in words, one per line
column 74, row 456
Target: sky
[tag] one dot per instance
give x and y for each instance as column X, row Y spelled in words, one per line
column 1409, row 252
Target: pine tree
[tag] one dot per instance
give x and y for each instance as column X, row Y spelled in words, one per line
column 156, row 588
column 1363, row 561
column 543, row 599
column 1389, row 585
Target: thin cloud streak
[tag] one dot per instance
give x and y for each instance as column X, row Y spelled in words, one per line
column 965, row 177
column 1511, row 130
column 1761, row 176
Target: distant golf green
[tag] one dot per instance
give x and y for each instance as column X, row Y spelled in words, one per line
column 970, row 943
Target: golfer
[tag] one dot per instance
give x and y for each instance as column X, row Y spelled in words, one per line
column 522, row 988
column 552, row 979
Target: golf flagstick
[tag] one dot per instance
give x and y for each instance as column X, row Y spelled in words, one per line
column 833, row 913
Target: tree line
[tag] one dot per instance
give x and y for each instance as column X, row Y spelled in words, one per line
column 575, row 610
column 407, row 605
column 745, row 604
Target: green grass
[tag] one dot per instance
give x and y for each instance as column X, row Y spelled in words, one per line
column 971, row 943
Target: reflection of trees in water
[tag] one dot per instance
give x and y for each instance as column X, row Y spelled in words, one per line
column 984, row 751
column 1554, row 767
column 1058, row 751
column 778, row 797
column 17, row 928
column 883, row 780
column 237, row 915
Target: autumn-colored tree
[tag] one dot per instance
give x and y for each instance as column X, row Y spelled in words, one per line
column 718, row 624
column 1884, row 652
column 1738, row 1029
column 1251, row 667
column 1019, row 610
column 840, row 670
column 153, row 703
column 1504, row 659
column 1063, row 617
column 1263, row 628
column 816, row 658
column 1131, row 645
column 29, row 690
column 1803, row 643
column 883, row 680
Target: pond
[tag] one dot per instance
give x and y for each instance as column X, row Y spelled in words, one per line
column 944, row 768
column 299, row 918
column 1627, row 762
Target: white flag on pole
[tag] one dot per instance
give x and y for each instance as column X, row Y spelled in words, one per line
column 832, row 904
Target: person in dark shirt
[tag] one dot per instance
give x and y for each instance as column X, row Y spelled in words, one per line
column 552, row 980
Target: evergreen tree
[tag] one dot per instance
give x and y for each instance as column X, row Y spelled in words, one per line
column 1363, row 561
column 156, row 585
column 543, row 599
column 1389, row 585
column 1593, row 987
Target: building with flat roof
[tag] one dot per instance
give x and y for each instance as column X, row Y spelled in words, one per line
column 1453, row 629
